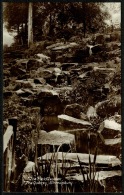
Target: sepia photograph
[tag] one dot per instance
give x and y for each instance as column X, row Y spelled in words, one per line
column 62, row 97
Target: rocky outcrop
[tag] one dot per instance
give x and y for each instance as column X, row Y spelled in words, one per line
column 73, row 110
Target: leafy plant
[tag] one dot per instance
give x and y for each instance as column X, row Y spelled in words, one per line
column 89, row 178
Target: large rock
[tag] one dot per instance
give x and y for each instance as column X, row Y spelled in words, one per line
column 24, row 92
column 68, row 66
column 39, row 81
column 55, row 45
column 7, row 93
column 111, row 146
column 46, row 93
column 73, row 110
column 109, row 107
column 69, row 122
column 16, row 71
column 109, row 129
column 25, row 83
column 33, row 64
column 56, row 139
column 104, row 70
column 42, row 58
column 107, row 160
column 21, row 63
column 44, row 73
column 65, row 46
column 61, row 77
column 50, row 105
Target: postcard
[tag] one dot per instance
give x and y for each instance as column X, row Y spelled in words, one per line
column 62, row 97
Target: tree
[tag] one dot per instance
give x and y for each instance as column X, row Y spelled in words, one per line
column 11, row 15
column 89, row 14
column 30, row 27
column 17, row 17
column 12, row 12
column 54, row 18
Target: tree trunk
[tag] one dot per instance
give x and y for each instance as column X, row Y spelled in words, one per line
column 30, row 26
column 84, row 18
column 18, row 29
column 50, row 25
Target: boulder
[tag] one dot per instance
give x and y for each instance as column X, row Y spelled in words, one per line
column 73, row 110
column 24, row 92
column 7, row 93
column 104, row 70
column 68, row 122
column 108, row 160
column 50, row 105
column 68, row 66
column 109, row 107
column 47, row 74
column 16, row 71
column 39, row 81
column 25, row 83
column 112, row 146
column 65, row 46
column 83, row 76
column 112, row 142
column 55, row 45
column 21, row 63
column 42, row 58
column 33, row 64
column 61, row 77
column 46, row 93
column 43, row 73
column 109, row 129
column 55, row 138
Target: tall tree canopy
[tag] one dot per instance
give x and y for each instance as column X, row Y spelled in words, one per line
column 54, row 17
column 15, row 14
